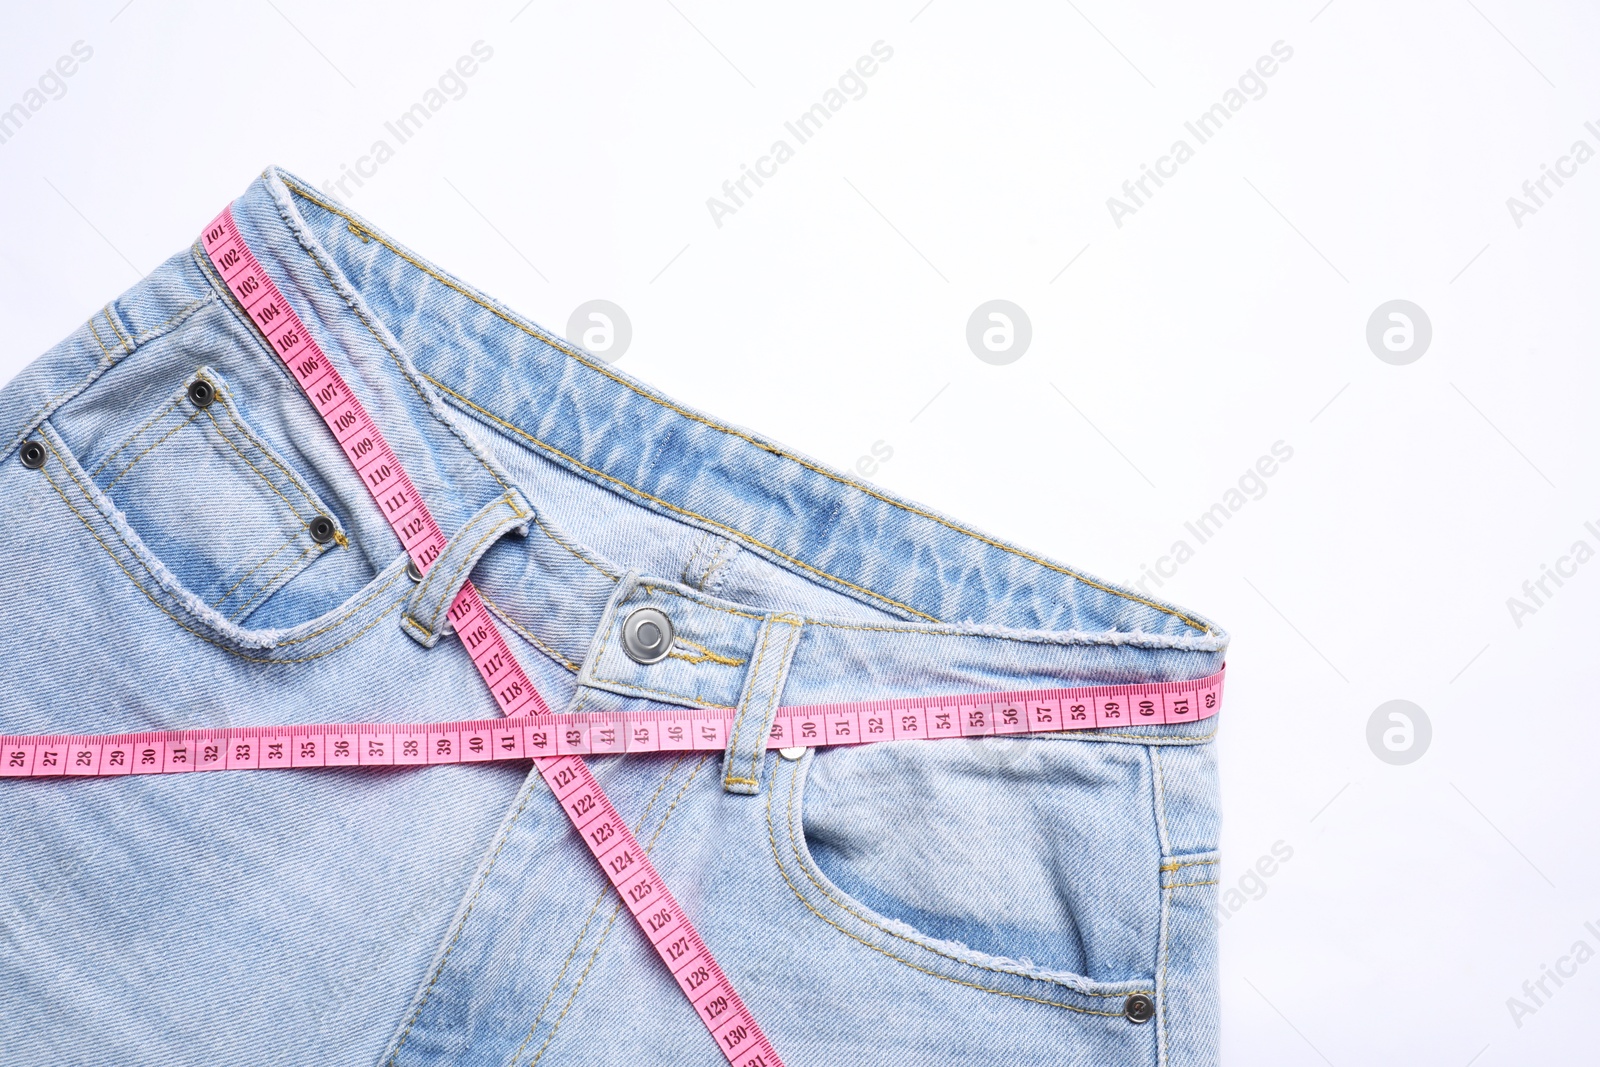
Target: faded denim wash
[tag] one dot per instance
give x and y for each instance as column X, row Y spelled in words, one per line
column 946, row 902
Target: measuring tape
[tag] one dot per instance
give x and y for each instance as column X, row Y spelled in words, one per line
column 602, row 733
column 556, row 743
column 607, row 836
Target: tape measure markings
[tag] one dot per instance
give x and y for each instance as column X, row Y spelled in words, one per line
column 380, row 470
column 591, row 733
column 364, row 445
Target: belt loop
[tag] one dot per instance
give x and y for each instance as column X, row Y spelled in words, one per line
column 425, row 610
column 758, row 704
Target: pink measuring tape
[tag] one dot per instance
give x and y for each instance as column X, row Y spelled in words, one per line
column 600, row 733
column 556, row 743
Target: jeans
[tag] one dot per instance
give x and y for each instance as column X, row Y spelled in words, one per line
column 967, row 901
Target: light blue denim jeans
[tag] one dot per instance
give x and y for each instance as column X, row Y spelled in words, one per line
column 922, row 902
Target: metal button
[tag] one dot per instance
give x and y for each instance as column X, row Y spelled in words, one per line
column 1139, row 1008
column 321, row 529
column 33, row 454
column 792, row 753
column 647, row 636
column 413, row 571
column 202, row 393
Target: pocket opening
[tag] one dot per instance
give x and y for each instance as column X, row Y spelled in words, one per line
column 952, row 961
column 228, row 517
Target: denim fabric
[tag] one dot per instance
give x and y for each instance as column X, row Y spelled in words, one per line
column 970, row 902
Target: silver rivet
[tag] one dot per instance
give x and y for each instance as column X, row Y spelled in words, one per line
column 413, row 571
column 792, row 753
column 647, row 636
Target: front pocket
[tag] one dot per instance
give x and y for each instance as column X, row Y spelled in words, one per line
column 227, row 516
column 982, row 865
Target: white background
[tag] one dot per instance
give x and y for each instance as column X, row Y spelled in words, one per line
column 1228, row 313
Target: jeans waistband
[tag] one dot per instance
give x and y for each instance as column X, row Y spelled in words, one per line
column 930, row 604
